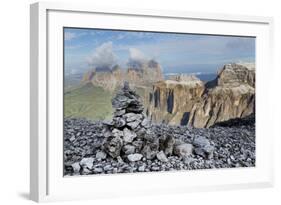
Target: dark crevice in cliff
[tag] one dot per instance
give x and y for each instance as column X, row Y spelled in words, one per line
column 185, row 118
column 250, row 101
column 218, row 113
column 150, row 97
column 170, row 101
column 210, row 116
column 192, row 119
column 157, row 98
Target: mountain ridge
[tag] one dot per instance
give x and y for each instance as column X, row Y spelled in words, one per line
column 184, row 99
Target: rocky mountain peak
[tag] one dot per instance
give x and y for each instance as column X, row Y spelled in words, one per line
column 185, row 79
column 116, row 68
column 153, row 64
column 144, row 72
column 138, row 73
column 235, row 75
column 105, row 77
column 231, row 95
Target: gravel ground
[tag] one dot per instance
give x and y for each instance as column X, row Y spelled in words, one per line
column 233, row 143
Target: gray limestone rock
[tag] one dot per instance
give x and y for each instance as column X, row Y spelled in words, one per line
column 130, row 117
column 76, row 167
column 113, row 146
column 87, row 162
column 162, row 157
column 183, row 150
column 101, row 155
column 129, row 149
column 129, row 135
column 117, row 133
column 134, row 157
column 134, row 124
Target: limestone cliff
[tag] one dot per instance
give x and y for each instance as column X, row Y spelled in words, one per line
column 231, row 95
column 144, row 73
column 184, row 99
column 138, row 74
column 107, row 79
column 172, row 100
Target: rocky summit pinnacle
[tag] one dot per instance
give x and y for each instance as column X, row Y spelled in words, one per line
column 127, row 100
column 127, row 123
column 130, row 136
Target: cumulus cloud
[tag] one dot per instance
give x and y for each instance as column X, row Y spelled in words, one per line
column 103, row 56
column 137, row 55
column 136, row 58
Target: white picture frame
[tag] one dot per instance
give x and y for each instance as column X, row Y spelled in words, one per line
column 46, row 178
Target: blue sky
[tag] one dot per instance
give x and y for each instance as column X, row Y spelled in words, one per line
column 88, row 48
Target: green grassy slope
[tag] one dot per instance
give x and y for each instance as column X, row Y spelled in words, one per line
column 88, row 101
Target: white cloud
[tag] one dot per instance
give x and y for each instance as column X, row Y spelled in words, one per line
column 137, row 55
column 103, row 56
column 178, row 51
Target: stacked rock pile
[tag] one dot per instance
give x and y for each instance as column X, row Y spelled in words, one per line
column 129, row 137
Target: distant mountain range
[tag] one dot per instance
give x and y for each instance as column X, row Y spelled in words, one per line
column 198, row 99
column 141, row 73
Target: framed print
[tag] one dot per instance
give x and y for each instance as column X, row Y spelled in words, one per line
column 127, row 102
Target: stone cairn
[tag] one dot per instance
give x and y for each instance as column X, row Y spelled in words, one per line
column 128, row 136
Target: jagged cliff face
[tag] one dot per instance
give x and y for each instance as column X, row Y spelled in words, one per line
column 107, row 79
column 235, row 74
column 137, row 74
column 144, row 73
column 172, row 100
column 231, row 95
column 184, row 99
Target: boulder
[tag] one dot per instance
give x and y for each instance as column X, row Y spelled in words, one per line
column 119, row 122
column 117, row 133
column 150, row 149
column 87, row 162
column 203, row 147
column 134, row 124
column 118, row 113
column 129, row 135
column 162, row 157
column 169, row 145
column 130, row 117
column 200, row 141
column 113, row 146
column 76, row 167
column 128, row 149
column 101, row 155
column 183, row 150
column 134, row 157
column 145, row 123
